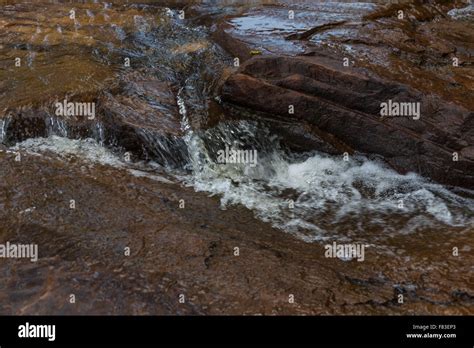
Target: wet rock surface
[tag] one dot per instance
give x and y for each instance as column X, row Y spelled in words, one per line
column 182, row 92
column 129, row 59
column 403, row 60
column 191, row 251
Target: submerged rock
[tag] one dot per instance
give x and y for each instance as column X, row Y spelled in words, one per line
column 85, row 206
column 129, row 60
column 83, row 250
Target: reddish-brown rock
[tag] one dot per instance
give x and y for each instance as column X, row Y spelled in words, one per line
column 345, row 101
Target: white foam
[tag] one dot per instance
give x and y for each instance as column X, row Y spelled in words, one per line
column 315, row 198
column 87, row 150
column 462, row 13
column 329, row 194
column 3, row 129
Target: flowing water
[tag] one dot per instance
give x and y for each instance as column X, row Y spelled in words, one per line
column 313, row 195
column 162, row 118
